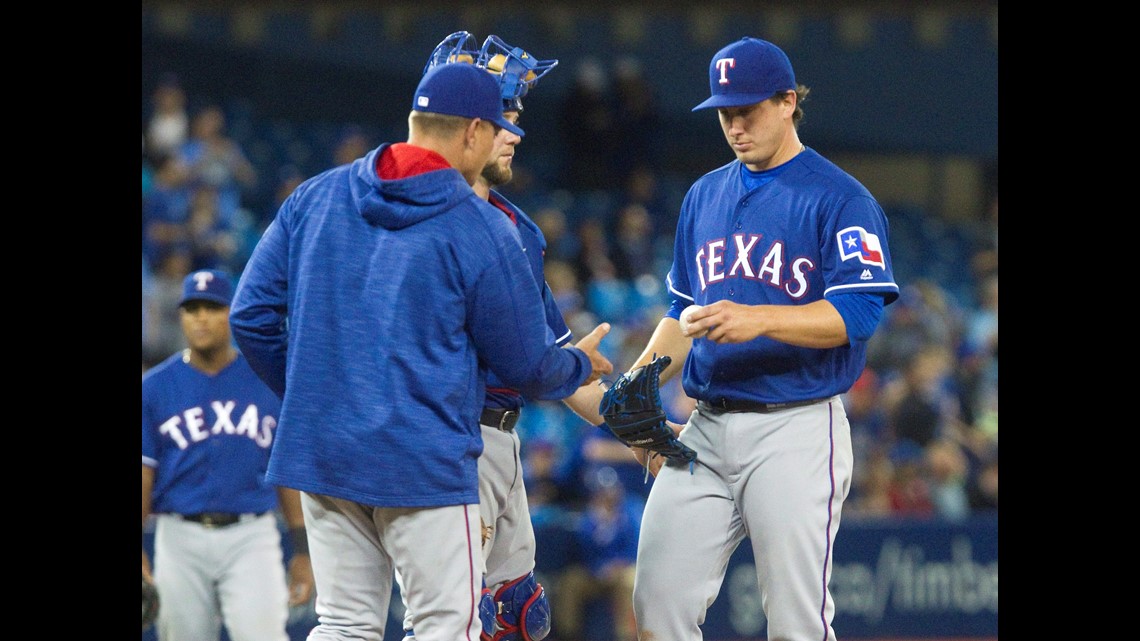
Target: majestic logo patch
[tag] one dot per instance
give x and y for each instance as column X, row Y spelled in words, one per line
column 856, row 242
column 866, row 275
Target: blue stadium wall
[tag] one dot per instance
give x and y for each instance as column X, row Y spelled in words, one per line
column 892, row 580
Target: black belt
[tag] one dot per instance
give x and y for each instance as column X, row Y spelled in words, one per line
column 219, row 519
column 503, row 419
column 722, row 405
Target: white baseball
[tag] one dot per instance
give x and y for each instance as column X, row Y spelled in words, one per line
column 685, row 321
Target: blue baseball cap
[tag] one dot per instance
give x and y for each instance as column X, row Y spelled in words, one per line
column 207, row 284
column 462, row 89
column 746, row 72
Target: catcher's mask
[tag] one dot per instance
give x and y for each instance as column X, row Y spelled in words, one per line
column 460, row 46
column 516, row 70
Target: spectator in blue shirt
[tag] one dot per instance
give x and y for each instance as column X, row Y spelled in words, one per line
column 606, row 546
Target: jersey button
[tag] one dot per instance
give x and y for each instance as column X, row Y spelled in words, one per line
column 731, row 291
column 738, row 225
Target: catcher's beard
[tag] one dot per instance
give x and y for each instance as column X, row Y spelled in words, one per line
column 496, row 175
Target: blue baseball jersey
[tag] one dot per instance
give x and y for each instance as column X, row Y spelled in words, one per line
column 810, row 231
column 500, row 395
column 208, row 438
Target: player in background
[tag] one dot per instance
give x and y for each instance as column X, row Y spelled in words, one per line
column 208, row 426
column 372, row 303
column 507, row 533
column 787, row 256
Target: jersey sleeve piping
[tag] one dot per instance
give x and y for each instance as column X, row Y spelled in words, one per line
column 675, row 291
column 861, row 287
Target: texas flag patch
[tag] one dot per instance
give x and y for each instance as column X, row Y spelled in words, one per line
column 860, row 243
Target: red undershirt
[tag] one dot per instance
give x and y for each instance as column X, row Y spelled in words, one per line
column 401, row 160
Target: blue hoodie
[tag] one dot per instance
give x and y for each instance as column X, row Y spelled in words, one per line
column 370, row 306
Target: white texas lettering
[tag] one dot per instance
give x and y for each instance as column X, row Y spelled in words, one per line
column 715, row 260
column 194, row 423
column 265, row 438
column 170, row 428
column 710, row 260
column 798, row 286
column 248, row 423
column 222, row 411
column 700, row 268
column 252, row 425
column 742, row 253
column 773, row 261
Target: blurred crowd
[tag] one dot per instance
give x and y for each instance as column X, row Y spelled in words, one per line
column 923, row 414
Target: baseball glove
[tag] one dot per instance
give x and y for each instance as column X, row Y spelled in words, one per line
column 633, row 412
column 149, row 604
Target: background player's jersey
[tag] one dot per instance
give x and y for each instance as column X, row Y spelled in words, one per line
column 500, row 396
column 208, row 437
column 810, row 232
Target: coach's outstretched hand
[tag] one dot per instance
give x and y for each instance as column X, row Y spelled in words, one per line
column 589, row 344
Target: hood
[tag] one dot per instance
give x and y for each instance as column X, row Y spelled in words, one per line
column 395, row 204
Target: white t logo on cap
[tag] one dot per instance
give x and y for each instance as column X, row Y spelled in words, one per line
column 202, row 280
column 723, row 64
column 422, row 101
